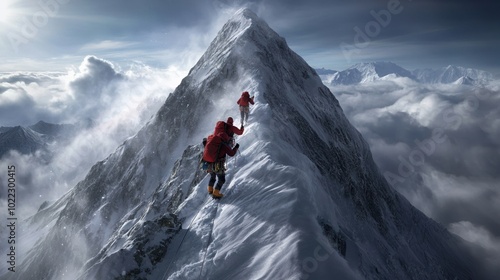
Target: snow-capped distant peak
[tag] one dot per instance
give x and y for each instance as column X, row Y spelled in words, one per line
column 452, row 74
column 21, row 139
column 369, row 72
column 465, row 80
column 373, row 71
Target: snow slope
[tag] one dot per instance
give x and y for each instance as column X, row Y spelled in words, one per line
column 303, row 198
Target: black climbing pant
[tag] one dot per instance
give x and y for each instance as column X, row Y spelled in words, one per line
column 221, row 179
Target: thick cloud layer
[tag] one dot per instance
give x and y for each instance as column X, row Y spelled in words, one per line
column 24, row 98
column 439, row 146
column 89, row 91
column 118, row 102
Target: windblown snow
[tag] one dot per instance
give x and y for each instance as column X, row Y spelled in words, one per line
column 303, row 198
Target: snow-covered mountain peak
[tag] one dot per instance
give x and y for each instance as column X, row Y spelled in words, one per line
column 21, row 139
column 21, row 132
column 369, row 72
column 303, row 199
column 374, row 65
column 374, row 71
column 47, row 128
column 245, row 14
column 453, row 74
column 465, row 80
column 230, row 41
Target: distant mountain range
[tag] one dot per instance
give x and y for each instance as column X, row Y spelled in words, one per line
column 373, row 71
column 37, row 137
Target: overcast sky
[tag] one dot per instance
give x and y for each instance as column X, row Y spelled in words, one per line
column 53, row 34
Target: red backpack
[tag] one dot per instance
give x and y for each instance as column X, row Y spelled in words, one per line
column 213, row 147
column 220, row 127
column 245, row 99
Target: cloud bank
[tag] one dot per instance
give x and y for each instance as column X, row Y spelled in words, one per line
column 439, row 146
column 117, row 101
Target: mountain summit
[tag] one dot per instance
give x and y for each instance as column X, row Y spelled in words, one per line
column 303, row 200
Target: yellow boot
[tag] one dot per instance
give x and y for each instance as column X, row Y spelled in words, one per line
column 210, row 189
column 217, row 194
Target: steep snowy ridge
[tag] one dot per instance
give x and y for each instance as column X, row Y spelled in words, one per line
column 303, row 198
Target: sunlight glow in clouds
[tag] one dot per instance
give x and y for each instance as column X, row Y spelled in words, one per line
column 108, row 45
column 6, row 11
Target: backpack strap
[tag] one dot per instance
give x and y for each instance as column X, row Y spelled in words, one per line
column 218, row 151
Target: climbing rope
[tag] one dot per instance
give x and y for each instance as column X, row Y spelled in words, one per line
column 209, row 240
column 210, row 232
column 229, row 190
column 183, row 237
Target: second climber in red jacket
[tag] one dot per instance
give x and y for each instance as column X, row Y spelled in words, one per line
column 244, row 102
column 228, row 128
column 231, row 130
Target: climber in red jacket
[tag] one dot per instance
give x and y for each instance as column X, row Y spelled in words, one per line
column 244, row 102
column 228, row 128
column 216, row 149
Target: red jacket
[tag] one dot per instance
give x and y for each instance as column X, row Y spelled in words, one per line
column 226, row 150
column 231, row 130
column 245, row 99
column 216, row 148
